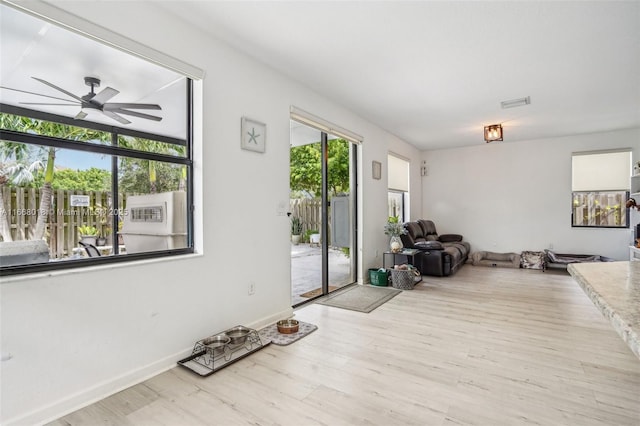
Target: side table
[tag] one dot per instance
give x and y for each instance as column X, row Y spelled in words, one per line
column 390, row 259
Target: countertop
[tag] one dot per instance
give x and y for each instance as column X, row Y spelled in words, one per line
column 614, row 287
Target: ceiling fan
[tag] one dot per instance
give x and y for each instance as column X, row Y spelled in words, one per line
column 98, row 102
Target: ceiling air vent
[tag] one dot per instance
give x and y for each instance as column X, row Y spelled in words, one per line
column 515, row 102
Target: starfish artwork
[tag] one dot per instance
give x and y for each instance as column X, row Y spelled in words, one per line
column 253, row 136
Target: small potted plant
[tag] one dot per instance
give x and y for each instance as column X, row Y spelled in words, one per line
column 296, row 230
column 102, row 239
column 394, row 228
column 312, row 236
column 88, row 234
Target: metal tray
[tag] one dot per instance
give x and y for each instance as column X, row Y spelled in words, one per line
column 205, row 360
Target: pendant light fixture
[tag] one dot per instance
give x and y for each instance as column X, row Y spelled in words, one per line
column 493, row 133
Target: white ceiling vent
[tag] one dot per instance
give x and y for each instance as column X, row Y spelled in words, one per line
column 515, row 102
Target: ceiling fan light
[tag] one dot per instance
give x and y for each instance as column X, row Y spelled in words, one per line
column 493, row 133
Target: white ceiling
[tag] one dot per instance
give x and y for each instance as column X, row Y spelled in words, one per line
column 434, row 73
column 30, row 47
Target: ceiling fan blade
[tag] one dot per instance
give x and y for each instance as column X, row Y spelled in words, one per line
column 106, row 94
column 80, row 115
column 60, row 89
column 37, row 94
column 114, row 105
column 135, row 114
column 39, row 103
column 116, row 117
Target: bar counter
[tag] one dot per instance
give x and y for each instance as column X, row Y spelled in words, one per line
column 614, row 287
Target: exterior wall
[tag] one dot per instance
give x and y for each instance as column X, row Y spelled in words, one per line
column 507, row 197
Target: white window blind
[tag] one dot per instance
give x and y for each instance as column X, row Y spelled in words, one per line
column 601, row 170
column 398, row 173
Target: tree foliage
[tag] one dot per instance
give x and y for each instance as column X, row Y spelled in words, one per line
column 305, row 168
column 304, row 172
column 147, row 176
column 134, row 176
column 93, row 179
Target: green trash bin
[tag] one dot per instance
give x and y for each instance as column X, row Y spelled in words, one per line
column 379, row 277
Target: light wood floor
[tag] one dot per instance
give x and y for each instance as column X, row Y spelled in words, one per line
column 485, row 347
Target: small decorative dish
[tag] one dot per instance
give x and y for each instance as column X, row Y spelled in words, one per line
column 238, row 334
column 288, row 326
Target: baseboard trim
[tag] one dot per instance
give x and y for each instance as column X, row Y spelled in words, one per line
column 268, row 320
column 99, row 391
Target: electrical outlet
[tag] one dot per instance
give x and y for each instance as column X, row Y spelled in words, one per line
column 252, row 288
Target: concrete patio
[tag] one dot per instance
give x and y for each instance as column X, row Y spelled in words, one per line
column 306, row 270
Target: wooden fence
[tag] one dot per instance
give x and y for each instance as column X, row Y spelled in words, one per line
column 309, row 210
column 63, row 220
column 61, row 228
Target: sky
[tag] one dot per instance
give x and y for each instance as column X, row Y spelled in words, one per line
column 78, row 160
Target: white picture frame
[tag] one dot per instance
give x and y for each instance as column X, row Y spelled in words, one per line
column 254, row 135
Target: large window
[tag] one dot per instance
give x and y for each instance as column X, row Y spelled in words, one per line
column 75, row 193
column 398, row 184
column 600, row 189
column 95, row 146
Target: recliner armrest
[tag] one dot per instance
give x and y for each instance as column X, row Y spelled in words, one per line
column 450, row 238
column 429, row 245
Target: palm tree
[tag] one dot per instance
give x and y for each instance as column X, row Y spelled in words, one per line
column 153, row 167
column 12, row 171
column 153, row 188
column 22, row 152
column 5, row 229
column 45, row 197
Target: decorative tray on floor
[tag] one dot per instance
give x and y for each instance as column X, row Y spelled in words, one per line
column 219, row 350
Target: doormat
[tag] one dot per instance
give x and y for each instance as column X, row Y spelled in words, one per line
column 317, row 292
column 361, row 298
column 271, row 334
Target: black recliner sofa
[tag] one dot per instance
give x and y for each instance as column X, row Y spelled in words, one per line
column 440, row 255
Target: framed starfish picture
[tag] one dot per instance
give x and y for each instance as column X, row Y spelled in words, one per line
column 254, row 135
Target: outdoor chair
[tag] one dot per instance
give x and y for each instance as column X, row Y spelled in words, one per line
column 91, row 250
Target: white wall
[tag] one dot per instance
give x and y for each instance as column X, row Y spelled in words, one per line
column 71, row 337
column 507, row 197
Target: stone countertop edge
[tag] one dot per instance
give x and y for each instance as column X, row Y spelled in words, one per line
column 614, row 288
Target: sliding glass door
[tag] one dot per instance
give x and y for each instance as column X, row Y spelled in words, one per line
column 322, row 201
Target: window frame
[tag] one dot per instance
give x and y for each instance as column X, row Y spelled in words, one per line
column 403, row 196
column 111, row 150
column 575, row 223
column 597, row 190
